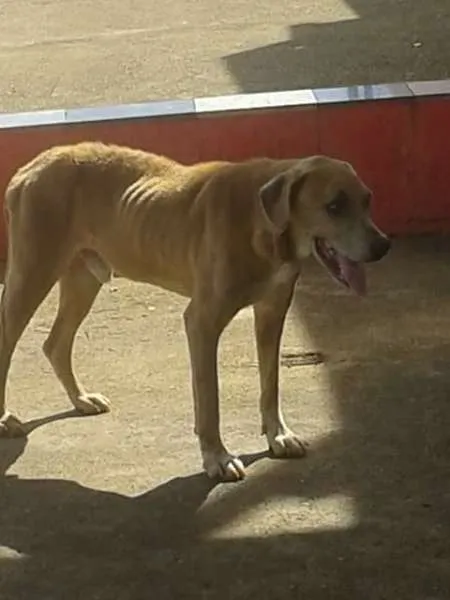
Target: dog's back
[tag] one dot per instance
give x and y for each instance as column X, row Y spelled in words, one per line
column 129, row 206
column 103, row 164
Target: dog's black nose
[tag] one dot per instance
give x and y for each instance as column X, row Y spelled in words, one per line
column 379, row 248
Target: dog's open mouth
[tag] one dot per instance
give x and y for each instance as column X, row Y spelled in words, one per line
column 347, row 272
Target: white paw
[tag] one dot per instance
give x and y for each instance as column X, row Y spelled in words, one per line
column 286, row 445
column 92, row 404
column 11, row 427
column 223, row 466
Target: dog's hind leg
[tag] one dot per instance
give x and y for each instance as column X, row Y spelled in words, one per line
column 78, row 288
column 29, row 277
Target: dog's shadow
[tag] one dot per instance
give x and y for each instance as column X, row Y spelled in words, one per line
column 12, row 449
column 59, row 538
column 33, row 424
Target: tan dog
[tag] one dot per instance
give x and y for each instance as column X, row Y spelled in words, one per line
column 225, row 235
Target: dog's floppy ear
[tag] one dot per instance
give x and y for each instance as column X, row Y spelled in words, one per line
column 276, row 199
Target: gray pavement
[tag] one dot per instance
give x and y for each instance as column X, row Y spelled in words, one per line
column 57, row 53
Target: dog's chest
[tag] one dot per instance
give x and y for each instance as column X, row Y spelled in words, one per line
column 284, row 276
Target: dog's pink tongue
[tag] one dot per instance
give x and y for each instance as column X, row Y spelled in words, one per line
column 354, row 274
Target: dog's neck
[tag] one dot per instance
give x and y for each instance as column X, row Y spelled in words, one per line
column 284, row 248
column 279, row 250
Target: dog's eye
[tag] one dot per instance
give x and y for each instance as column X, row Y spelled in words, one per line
column 338, row 206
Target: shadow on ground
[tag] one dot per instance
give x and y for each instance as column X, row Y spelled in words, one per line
column 384, row 42
column 388, row 366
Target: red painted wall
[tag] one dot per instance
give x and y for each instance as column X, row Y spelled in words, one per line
column 400, row 147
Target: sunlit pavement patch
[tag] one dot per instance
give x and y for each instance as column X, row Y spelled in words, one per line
column 7, row 553
column 291, row 515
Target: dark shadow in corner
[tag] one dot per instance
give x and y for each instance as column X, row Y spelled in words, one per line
column 379, row 45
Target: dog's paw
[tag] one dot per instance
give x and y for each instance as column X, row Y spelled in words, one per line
column 11, row 427
column 286, row 445
column 223, row 466
column 92, row 404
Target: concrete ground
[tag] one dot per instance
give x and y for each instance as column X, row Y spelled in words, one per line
column 56, row 53
column 114, row 507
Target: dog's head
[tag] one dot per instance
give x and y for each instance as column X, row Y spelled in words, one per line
column 325, row 208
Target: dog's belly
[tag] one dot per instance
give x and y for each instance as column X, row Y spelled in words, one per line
column 148, row 265
column 143, row 276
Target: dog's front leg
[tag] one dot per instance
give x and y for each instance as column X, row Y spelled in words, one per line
column 270, row 315
column 203, row 329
